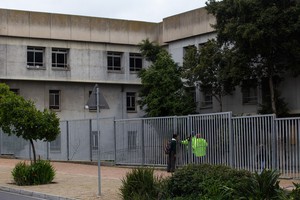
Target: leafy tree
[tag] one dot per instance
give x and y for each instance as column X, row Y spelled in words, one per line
column 162, row 92
column 263, row 34
column 20, row 117
column 210, row 67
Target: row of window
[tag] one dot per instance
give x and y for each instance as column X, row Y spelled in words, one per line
column 55, row 102
column 60, row 59
column 249, row 97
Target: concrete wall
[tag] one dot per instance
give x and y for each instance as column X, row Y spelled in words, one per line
column 78, row 28
column 74, row 97
column 87, row 61
column 188, row 24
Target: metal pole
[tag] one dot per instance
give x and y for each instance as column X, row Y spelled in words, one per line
column 98, row 131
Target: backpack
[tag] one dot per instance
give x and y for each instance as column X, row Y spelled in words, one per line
column 168, row 147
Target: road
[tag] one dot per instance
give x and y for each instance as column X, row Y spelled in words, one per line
column 12, row 196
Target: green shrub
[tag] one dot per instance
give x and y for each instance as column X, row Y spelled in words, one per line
column 295, row 193
column 265, row 186
column 140, row 184
column 41, row 172
column 206, row 181
column 21, row 174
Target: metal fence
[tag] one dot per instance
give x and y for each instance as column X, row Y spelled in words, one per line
column 246, row 142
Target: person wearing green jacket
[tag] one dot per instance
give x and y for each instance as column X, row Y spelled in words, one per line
column 199, row 145
column 185, row 153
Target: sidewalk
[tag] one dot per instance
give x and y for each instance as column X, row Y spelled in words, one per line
column 72, row 181
column 80, row 181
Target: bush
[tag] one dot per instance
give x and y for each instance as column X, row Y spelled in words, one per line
column 41, row 172
column 265, row 186
column 207, row 182
column 295, row 193
column 141, row 184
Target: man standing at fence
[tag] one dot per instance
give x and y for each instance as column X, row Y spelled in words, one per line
column 172, row 154
column 199, row 145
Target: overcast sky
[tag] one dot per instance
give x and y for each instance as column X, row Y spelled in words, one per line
column 141, row 10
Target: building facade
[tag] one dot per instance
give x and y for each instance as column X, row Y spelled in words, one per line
column 55, row 60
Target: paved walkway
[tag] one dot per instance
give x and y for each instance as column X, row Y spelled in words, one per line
column 79, row 181
column 72, row 181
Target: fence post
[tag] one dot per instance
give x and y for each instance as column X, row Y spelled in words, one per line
column 68, row 141
column 115, row 140
column 47, row 149
column 143, row 143
column 189, row 133
column 231, row 140
column 90, row 135
column 274, row 146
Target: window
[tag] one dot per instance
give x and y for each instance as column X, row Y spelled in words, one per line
column 60, row 58
column 132, row 144
column 136, row 62
column 114, row 61
column 249, row 95
column 130, row 102
column 188, row 48
column 56, row 144
column 207, row 101
column 54, row 99
column 16, row 91
column 94, row 140
column 35, row 57
column 249, row 91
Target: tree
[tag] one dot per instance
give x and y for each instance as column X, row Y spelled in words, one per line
column 210, row 67
column 20, row 117
column 264, row 35
column 162, row 92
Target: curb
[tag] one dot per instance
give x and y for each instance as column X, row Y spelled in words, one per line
column 33, row 194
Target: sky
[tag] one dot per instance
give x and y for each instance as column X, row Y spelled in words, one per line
column 139, row 10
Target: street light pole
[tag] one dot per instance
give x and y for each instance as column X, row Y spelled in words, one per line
column 98, row 133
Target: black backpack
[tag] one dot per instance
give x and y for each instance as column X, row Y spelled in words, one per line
column 168, row 147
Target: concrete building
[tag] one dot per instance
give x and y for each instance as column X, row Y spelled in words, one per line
column 56, row 60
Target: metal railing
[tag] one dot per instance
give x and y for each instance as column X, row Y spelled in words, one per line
column 245, row 142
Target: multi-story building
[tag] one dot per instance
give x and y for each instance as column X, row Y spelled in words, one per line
column 56, row 60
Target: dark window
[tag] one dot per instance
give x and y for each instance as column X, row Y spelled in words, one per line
column 59, row 58
column 249, row 95
column 54, row 99
column 207, row 100
column 94, row 140
column 35, row 56
column 16, row 91
column 130, row 101
column 249, row 91
column 114, row 61
column 136, row 62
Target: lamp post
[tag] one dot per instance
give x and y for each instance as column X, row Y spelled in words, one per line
column 98, row 133
column 91, row 103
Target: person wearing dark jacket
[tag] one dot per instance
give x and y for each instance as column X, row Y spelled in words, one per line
column 172, row 154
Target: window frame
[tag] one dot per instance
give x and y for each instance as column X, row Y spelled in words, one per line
column 112, row 63
column 56, row 52
column 133, row 62
column 34, row 63
column 54, row 94
column 131, row 102
column 207, row 101
column 249, row 95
